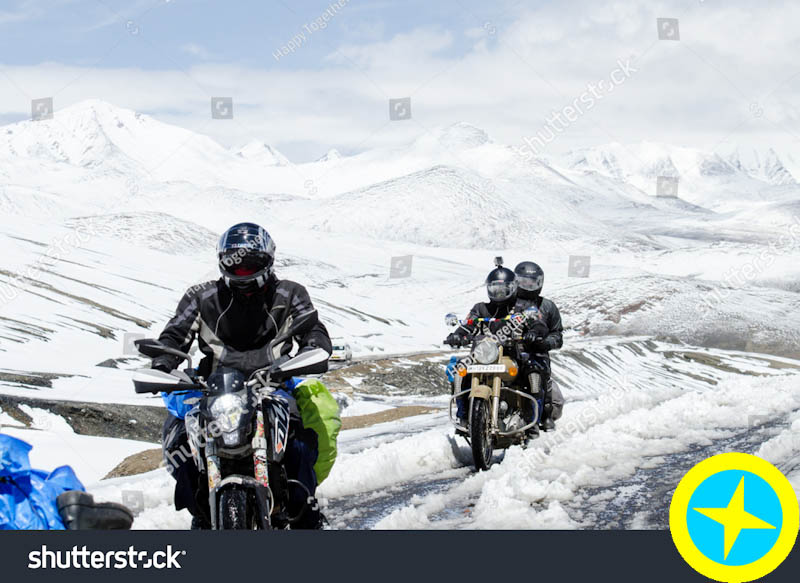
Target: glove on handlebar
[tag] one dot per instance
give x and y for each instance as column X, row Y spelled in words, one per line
column 456, row 339
column 247, row 361
column 536, row 342
column 163, row 363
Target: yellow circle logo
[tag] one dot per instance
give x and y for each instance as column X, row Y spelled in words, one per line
column 734, row 517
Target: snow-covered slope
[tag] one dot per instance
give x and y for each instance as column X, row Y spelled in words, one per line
column 108, row 216
column 262, row 154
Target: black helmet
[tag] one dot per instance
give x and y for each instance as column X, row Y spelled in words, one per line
column 530, row 278
column 246, row 253
column 501, row 284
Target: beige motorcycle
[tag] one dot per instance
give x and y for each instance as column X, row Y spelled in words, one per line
column 491, row 400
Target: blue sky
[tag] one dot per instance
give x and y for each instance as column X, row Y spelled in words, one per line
column 506, row 66
column 158, row 34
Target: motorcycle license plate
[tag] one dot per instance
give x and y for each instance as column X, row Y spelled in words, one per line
column 483, row 368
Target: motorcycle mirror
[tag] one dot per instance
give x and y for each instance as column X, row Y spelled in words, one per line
column 310, row 362
column 297, row 324
column 153, row 348
column 498, row 261
column 451, row 319
column 148, row 380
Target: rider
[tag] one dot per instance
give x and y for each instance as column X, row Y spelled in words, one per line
column 235, row 319
column 530, row 279
column 501, row 287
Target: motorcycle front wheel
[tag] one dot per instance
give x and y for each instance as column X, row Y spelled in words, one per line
column 236, row 510
column 481, row 435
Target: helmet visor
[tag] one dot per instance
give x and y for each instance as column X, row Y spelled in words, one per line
column 241, row 262
column 529, row 283
column 501, row 290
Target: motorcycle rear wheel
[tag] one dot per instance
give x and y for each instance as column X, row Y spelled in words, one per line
column 480, row 435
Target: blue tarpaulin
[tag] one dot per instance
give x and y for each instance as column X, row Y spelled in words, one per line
column 28, row 496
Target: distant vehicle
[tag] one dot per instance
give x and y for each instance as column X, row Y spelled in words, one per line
column 341, row 352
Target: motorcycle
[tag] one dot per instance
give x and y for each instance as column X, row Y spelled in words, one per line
column 238, row 431
column 496, row 407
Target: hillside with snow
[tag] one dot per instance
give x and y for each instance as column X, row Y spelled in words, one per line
column 108, row 215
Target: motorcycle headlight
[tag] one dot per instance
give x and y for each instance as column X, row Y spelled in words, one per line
column 231, row 439
column 486, row 351
column 227, row 411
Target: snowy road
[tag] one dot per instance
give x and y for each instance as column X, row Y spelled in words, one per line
column 640, row 414
column 613, row 462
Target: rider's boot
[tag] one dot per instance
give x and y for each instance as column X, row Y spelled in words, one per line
column 311, row 517
column 553, row 406
column 461, row 409
column 547, row 423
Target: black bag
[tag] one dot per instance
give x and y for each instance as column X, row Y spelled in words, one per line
column 79, row 511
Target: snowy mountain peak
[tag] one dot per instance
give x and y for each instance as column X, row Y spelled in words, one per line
column 332, row 155
column 764, row 165
column 96, row 134
column 460, row 135
column 648, row 160
column 263, row 154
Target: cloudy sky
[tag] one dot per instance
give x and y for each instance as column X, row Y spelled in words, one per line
column 308, row 75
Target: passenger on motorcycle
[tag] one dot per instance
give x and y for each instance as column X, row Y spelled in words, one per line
column 530, row 279
column 508, row 296
column 234, row 319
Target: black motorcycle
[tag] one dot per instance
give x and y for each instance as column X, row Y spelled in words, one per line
column 238, row 432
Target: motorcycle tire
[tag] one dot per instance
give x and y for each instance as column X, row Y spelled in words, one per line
column 236, row 511
column 480, row 435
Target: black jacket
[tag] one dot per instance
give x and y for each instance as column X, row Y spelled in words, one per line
column 551, row 315
column 487, row 310
column 553, row 334
column 240, row 331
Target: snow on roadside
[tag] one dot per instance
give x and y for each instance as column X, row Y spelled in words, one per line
column 8, row 421
column 45, row 420
column 783, row 450
column 600, row 443
column 154, row 491
column 391, row 463
column 91, row 457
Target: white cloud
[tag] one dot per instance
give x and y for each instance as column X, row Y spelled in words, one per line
column 23, row 11
column 196, row 50
column 696, row 91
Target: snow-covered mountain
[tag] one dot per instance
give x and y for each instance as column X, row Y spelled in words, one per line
column 726, row 181
column 108, row 215
column 262, row 154
column 766, row 165
column 452, row 195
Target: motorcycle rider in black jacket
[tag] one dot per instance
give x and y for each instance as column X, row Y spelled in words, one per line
column 501, row 287
column 513, row 292
column 235, row 319
column 530, row 279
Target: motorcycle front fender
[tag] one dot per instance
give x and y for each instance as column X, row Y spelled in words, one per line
column 481, row 392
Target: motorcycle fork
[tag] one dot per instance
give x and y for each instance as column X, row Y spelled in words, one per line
column 496, row 384
column 260, row 469
column 214, row 478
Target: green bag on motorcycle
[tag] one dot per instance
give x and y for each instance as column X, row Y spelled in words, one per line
column 320, row 412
